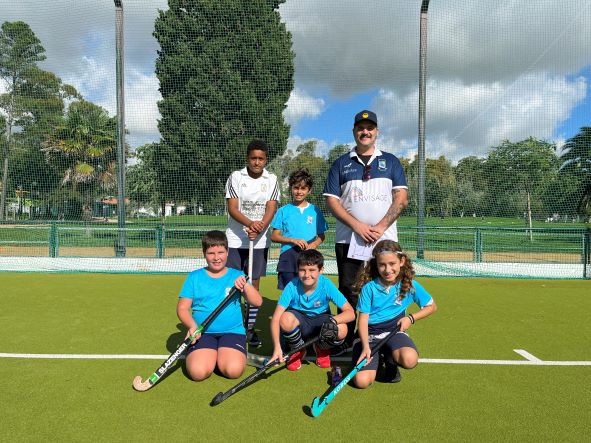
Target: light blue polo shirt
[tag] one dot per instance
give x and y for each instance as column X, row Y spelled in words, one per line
column 317, row 302
column 385, row 303
column 295, row 222
column 207, row 293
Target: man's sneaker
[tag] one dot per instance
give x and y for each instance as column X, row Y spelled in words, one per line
column 341, row 349
column 322, row 357
column 252, row 338
column 295, row 361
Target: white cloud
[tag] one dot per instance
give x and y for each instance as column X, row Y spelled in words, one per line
column 301, row 105
column 350, row 49
column 468, row 119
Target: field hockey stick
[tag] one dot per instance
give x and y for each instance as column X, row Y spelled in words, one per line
column 318, row 405
column 141, row 386
column 250, row 254
column 221, row 396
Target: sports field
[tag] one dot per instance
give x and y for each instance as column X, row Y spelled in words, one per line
column 470, row 386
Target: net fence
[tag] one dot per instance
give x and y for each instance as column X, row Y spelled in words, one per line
column 508, row 138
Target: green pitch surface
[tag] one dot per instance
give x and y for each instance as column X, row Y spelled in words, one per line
column 464, row 390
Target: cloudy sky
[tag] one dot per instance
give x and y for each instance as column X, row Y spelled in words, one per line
column 497, row 69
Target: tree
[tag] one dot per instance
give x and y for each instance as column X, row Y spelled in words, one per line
column 515, row 176
column 226, row 72
column 20, row 50
column 471, row 185
column 83, row 148
column 44, row 95
column 440, row 186
column 141, row 180
column 576, row 163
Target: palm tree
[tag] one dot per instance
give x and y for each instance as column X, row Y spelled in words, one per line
column 83, row 146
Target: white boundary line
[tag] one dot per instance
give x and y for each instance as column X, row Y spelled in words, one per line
column 257, row 360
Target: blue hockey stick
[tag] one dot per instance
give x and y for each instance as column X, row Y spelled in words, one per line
column 318, row 405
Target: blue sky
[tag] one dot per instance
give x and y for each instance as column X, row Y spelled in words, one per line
column 497, row 69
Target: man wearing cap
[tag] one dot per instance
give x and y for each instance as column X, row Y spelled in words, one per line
column 366, row 191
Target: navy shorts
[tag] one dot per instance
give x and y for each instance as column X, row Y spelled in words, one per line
column 396, row 341
column 216, row 341
column 287, row 267
column 310, row 324
column 238, row 259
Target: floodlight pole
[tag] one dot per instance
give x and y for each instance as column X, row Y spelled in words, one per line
column 120, row 243
column 421, row 146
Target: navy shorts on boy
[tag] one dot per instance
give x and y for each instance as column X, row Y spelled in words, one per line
column 287, row 266
column 238, row 259
column 396, row 341
column 309, row 324
column 216, row 341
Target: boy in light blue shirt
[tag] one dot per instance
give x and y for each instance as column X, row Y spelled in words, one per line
column 223, row 344
column 303, row 312
column 298, row 226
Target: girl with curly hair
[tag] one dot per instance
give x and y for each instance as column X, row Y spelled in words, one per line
column 387, row 288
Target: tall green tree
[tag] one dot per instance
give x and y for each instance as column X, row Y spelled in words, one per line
column 20, row 51
column 226, row 73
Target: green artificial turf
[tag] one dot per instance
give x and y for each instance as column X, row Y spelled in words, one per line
column 92, row 400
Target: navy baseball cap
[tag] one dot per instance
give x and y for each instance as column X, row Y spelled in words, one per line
column 366, row 115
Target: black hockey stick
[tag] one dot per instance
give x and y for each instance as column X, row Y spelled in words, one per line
column 319, row 404
column 221, row 396
column 141, row 386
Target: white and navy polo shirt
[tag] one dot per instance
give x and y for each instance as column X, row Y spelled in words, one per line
column 253, row 195
column 369, row 200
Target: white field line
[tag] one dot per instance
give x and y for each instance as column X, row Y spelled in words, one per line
column 256, row 359
column 527, row 355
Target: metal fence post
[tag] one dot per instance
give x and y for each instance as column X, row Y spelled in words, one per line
column 478, row 246
column 160, row 241
column 53, row 241
column 586, row 258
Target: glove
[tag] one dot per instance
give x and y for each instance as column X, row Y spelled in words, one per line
column 329, row 332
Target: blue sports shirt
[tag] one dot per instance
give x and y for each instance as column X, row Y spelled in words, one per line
column 317, row 302
column 383, row 303
column 295, row 222
column 207, row 293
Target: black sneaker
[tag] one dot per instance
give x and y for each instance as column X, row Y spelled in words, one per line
column 391, row 372
column 253, row 339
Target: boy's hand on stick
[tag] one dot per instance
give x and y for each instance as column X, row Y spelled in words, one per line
column 190, row 332
column 302, row 244
column 277, row 354
column 240, row 283
column 366, row 352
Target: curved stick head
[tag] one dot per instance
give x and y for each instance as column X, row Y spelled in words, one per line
column 317, row 407
column 217, row 399
column 140, row 385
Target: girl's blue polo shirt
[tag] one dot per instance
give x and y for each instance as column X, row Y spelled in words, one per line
column 383, row 303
